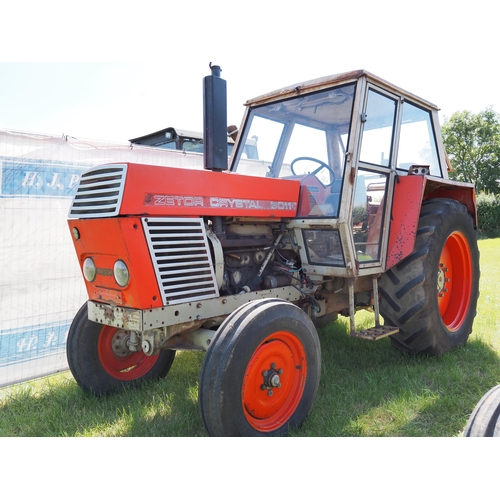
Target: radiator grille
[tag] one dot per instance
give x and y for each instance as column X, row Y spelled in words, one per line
column 99, row 192
column 181, row 258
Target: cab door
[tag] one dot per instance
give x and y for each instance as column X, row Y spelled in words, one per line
column 374, row 178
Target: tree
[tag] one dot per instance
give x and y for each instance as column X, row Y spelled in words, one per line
column 472, row 142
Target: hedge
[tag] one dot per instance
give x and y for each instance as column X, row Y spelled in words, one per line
column 488, row 213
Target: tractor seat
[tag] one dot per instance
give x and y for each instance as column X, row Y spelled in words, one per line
column 334, row 196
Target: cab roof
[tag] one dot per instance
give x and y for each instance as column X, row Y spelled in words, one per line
column 332, row 80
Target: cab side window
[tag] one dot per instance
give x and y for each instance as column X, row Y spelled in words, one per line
column 378, row 129
column 417, row 142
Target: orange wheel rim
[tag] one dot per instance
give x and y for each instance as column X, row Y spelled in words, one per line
column 274, row 381
column 455, row 277
column 118, row 360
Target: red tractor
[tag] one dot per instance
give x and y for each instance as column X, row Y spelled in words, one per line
column 336, row 198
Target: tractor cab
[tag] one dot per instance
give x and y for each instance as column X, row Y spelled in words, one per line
column 348, row 139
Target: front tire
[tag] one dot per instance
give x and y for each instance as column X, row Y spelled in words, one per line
column 432, row 294
column 100, row 361
column 261, row 373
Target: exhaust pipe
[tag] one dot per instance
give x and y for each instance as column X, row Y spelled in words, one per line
column 215, row 121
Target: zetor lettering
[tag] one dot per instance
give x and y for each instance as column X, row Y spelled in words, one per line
column 201, row 201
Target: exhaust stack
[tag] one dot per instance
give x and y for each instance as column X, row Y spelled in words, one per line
column 215, row 121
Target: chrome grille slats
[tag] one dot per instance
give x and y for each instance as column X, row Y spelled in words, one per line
column 181, row 258
column 99, row 192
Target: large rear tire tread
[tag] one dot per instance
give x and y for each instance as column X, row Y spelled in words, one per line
column 92, row 364
column 409, row 290
column 228, row 373
column 485, row 418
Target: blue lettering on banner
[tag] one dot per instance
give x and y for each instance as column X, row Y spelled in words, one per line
column 26, row 344
column 39, row 178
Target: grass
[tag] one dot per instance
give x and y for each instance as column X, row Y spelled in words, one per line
column 366, row 389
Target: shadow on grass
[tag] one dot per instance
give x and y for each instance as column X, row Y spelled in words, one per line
column 366, row 389
column 56, row 406
column 371, row 389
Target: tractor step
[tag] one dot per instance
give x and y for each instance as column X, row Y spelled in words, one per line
column 375, row 333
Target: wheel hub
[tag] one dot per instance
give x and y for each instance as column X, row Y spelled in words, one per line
column 120, row 343
column 271, row 379
column 442, row 280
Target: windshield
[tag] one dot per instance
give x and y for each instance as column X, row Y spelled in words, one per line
column 302, row 138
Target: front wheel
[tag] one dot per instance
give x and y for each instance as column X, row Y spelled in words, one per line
column 431, row 296
column 100, row 361
column 261, row 373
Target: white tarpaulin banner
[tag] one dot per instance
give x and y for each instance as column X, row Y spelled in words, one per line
column 41, row 287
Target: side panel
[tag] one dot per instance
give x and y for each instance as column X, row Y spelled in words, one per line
column 179, row 192
column 407, row 200
column 107, row 240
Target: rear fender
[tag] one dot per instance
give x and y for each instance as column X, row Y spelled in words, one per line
column 409, row 193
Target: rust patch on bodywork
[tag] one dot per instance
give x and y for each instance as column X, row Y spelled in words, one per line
column 406, row 205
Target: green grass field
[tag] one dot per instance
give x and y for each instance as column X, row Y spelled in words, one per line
column 366, row 389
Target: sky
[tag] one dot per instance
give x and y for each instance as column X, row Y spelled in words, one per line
column 108, row 71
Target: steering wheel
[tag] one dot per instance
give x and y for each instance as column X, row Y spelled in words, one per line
column 322, row 165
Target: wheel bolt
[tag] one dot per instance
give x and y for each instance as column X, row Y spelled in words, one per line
column 264, row 373
column 269, row 393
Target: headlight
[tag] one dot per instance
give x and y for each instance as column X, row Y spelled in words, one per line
column 120, row 270
column 89, row 269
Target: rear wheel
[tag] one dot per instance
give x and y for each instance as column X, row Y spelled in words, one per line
column 432, row 294
column 485, row 419
column 261, row 373
column 100, row 361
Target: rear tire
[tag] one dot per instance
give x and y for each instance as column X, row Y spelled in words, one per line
column 100, row 362
column 431, row 296
column 261, row 373
column 485, row 419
